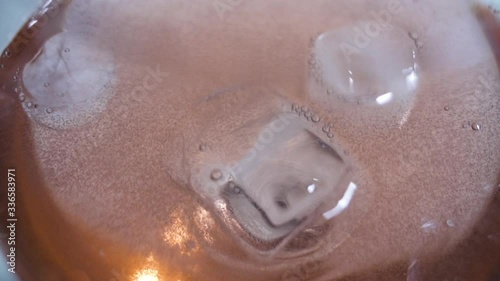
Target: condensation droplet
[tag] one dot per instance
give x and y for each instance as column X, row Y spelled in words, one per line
column 330, row 135
column 2, row 66
column 46, row 84
column 17, row 89
column 22, row 97
column 316, row 118
column 216, row 175
column 450, row 223
column 29, row 104
column 326, row 129
column 49, row 110
column 67, row 50
column 446, row 108
column 476, row 127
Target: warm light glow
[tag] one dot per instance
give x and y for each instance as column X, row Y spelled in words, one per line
column 177, row 234
column 205, row 222
column 148, row 274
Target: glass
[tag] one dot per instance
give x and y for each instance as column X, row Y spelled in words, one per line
column 253, row 140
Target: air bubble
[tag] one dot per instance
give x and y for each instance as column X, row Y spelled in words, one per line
column 476, row 127
column 446, row 108
column 67, row 50
column 234, row 188
column 46, row 84
column 29, row 104
column 22, row 97
column 216, row 175
column 49, row 110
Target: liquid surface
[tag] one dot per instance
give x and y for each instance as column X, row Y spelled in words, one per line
column 261, row 141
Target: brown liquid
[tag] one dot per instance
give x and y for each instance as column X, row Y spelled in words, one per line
column 109, row 196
